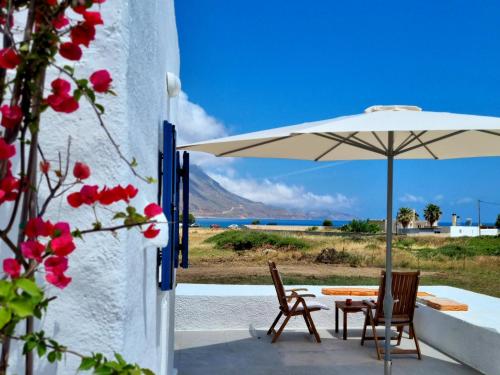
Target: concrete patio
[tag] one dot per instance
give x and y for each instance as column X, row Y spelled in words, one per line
column 251, row 352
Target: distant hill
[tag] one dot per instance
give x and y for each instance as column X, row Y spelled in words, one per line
column 209, row 199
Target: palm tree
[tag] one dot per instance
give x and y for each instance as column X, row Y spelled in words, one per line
column 405, row 216
column 432, row 213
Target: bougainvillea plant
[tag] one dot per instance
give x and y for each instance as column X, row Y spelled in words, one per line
column 51, row 36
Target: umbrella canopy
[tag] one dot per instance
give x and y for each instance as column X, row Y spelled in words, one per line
column 381, row 132
column 417, row 135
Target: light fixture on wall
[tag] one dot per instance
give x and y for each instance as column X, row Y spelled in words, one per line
column 173, row 85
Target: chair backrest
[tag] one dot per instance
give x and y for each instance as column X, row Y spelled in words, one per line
column 278, row 285
column 404, row 292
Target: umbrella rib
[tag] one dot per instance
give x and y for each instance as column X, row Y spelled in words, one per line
column 431, row 141
column 341, row 139
column 409, row 140
column 379, row 141
column 256, row 145
column 366, row 142
column 425, row 146
column 333, row 148
column 489, row 132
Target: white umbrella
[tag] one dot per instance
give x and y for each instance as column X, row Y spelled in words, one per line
column 381, row 132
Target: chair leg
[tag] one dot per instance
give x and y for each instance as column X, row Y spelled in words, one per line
column 277, row 334
column 414, row 334
column 275, row 322
column 400, row 335
column 375, row 337
column 307, row 323
column 313, row 327
column 363, row 334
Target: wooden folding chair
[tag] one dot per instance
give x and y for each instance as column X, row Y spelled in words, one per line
column 404, row 292
column 293, row 304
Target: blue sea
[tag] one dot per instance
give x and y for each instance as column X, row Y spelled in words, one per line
column 225, row 222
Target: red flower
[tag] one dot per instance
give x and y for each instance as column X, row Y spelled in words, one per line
column 9, row 58
column 12, row 267
column 80, row 9
column 107, row 196
column 58, row 279
column 63, row 245
column 11, row 116
column 99, row 1
column 89, row 194
column 60, row 21
column 44, row 167
column 37, row 227
column 62, row 103
column 71, row 51
column 151, row 232
column 83, row 33
column 60, row 87
column 9, row 186
column 131, row 191
column 81, row 171
column 152, row 210
column 51, row 2
column 2, row 196
column 33, row 250
column 93, row 18
column 6, row 151
column 75, row 200
column 61, row 228
column 101, row 80
column 57, row 265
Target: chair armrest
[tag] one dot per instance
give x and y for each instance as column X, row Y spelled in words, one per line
column 296, row 295
column 296, row 290
column 369, row 304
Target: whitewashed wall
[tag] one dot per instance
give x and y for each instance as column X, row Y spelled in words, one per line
column 113, row 303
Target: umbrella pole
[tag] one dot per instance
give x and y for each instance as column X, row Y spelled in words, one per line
column 388, row 300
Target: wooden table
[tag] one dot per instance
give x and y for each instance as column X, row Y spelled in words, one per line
column 354, row 307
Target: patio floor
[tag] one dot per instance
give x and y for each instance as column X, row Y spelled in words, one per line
column 251, row 352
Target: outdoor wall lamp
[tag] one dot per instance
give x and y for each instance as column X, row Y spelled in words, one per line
column 173, row 85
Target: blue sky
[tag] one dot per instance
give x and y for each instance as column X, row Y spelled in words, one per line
column 262, row 64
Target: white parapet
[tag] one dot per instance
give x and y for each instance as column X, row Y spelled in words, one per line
column 464, row 231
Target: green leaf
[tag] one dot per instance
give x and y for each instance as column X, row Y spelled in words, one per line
column 5, row 316
column 22, row 307
column 90, row 94
column 41, row 349
column 52, row 357
column 77, row 233
column 151, row 180
column 69, row 69
column 131, row 210
column 146, row 371
column 87, row 363
column 82, row 82
column 77, row 94
column 134, row 163
column 120, row 359
column 5, row 288
column 120, row 215
column 30, row 287
column 100, row 107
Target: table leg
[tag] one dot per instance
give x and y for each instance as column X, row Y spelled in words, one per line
column 336, row 319
column 345, row 325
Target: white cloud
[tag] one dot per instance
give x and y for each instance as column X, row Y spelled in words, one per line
column 439, row 197
column 410, row 198
column 195, row 125
column 465, row 200
column 282, row 195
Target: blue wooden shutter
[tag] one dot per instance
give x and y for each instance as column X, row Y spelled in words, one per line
column 170, row 175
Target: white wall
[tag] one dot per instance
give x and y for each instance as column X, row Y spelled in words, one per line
column 113, row 303
column 463, row 231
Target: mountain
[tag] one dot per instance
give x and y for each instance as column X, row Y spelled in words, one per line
column 209, row 199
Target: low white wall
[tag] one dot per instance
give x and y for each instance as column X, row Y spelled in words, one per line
column 472, row 337
column 462, row 231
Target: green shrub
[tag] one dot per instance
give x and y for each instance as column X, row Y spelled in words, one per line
column 249, row 240
column 255, row 222
column 312, row 229
column 327, row 223
column 360, row 226
column 332, row 256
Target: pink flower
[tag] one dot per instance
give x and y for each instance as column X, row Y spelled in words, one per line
column 60, row 21
column 89, row 194
column 83, row 33
column 12, row 268
column 33, row 250
column 60, row 86
column 38, row 228
column 9, row 58
column 151, row 232
column 70, row 51
column 11, row 116
column 101, row 80
column 56, row 264
column 152, row 210
column 62, row 245
column 81, row 171
column 62, row 103
column 58, row 279
column 6, row 151
column 61, row 228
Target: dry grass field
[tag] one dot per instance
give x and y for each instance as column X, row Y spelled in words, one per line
column 472, row 264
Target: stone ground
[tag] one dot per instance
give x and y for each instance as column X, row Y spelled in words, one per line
column 296, row 353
